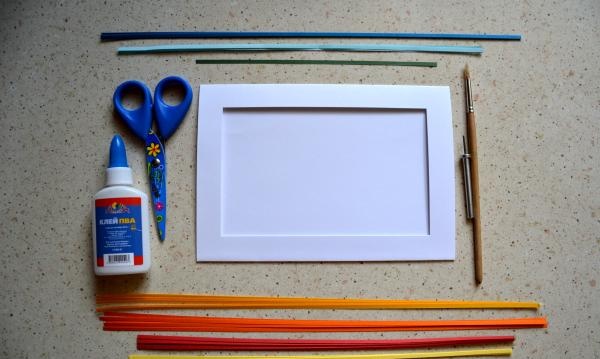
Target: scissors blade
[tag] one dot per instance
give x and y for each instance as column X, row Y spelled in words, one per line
column 157, row 174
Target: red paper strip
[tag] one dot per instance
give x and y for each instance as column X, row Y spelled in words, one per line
column 185, row 343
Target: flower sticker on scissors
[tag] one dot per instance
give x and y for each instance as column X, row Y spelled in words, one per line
column 153, row 149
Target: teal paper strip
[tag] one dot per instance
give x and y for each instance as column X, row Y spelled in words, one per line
column 132, row 50
column 318, row 62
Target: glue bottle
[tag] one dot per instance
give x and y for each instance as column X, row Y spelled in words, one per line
column 120, row 220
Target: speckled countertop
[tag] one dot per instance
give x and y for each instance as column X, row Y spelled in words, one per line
column 538, row 103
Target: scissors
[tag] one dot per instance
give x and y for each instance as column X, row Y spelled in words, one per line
column 168, row 118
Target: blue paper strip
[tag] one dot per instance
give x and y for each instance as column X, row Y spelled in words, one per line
column 298, row 47
column 114, row 36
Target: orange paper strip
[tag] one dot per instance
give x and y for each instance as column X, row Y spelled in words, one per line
column 122, row 302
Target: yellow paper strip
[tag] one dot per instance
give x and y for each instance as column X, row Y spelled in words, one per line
column 416, row 355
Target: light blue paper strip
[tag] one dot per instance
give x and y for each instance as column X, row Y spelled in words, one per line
column 297, row 47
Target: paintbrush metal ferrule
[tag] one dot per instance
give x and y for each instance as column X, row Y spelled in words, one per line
column 468, row 92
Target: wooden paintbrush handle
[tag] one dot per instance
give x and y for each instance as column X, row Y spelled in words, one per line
column 478, row 253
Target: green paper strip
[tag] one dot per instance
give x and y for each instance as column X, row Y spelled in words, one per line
column 170, row 48
column 320, row 62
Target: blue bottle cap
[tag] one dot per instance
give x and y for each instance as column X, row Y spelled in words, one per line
column 118, row 153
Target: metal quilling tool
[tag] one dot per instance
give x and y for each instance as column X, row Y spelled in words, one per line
column 466, row 164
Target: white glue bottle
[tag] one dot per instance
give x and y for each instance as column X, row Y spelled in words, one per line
column 120, row 220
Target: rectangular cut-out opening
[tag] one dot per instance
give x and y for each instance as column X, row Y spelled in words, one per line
column 324, row 172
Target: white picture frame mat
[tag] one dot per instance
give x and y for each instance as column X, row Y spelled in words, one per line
column 268, row 162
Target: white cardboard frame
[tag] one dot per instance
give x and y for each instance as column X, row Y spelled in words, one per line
column 241, row 241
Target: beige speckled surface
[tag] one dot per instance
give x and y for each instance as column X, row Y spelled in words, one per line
column 537, row 101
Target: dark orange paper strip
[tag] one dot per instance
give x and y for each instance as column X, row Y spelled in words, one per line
column 156, row 322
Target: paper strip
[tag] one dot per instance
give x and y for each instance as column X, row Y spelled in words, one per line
column 318, row 62
column 199, row 301
column 118, row 321
column 441, row 354
column 169, row 48
column 114, row 36
column 166, row 342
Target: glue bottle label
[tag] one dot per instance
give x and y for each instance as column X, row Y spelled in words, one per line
column 119, row 232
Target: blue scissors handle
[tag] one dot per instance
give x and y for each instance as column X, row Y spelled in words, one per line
column 138, row 120
column 168, row 117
